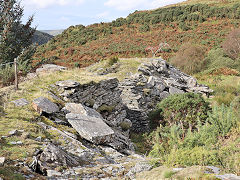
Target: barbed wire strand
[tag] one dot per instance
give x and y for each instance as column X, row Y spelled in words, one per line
column 4, row 64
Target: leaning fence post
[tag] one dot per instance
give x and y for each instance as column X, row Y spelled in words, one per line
column 16, row 74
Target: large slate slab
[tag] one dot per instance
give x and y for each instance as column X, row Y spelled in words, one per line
column 44, row 105
column 91, row 128
column 81, row 109
column 88, row 123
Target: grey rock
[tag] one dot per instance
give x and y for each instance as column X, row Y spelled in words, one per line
column 39, row 139
column 212, row 170
column 80, row 109
column 53, row 156
column 67, row 84
column 191, row 82
column 44, row 105
column 20, row 102
column 177, row 169
column 173, row 90
column 139, row 167
column 16, row 143
column 2, row 161
column 13, row 132
column 91, row 128
column 53, row 173
column 46, row 68
column 201, row 89
column 228, row 177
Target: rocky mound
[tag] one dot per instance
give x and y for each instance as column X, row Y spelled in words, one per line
column 104, row 114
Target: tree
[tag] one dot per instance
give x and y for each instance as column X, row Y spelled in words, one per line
column 15, row 37
column 190, row 58
column 232, row 44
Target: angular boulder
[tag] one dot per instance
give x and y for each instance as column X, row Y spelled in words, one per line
column 46, row 68
column 67, row 84
column 44, row 106
column 89, row 124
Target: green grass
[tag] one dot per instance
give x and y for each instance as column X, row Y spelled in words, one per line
column 9, row 173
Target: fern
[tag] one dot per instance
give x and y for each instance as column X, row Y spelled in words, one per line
column 223, row 119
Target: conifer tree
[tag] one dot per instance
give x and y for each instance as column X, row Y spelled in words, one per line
column 14, row 36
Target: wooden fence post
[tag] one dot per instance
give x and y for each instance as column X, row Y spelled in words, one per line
column 16, row 74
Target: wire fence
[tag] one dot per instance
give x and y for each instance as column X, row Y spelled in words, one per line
column 5, row 64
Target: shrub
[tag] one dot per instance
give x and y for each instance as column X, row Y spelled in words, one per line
column 182, row 109
column 232, row 44
column 190, row 58
column 6, row 75
column 112, row 61
column 144, row 28
column 217, row 58
column 77, row 65
column 183, row 26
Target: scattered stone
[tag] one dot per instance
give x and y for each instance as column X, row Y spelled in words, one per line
column 44, row 105
column 212, row 170
column 20, row 102
column 39, row 139
column 47, row 68
column 67, row 84
column 16, row 143
column 139, row 167
column 177, row 169
column 228, row 177
column 13, row 132
column 53, row 173
column 2, row 161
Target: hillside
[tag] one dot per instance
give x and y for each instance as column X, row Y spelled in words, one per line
column 41, row 38
column 199, row 22
column 35, row 131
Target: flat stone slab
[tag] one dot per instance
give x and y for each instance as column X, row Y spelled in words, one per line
column 44, row 105
column 20, row 102
column 91, row 128
column 80, row 109
column 50, row 68
column 67, row 84
column 88, row 123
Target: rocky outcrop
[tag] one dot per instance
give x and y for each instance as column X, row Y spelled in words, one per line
column 132, row 99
